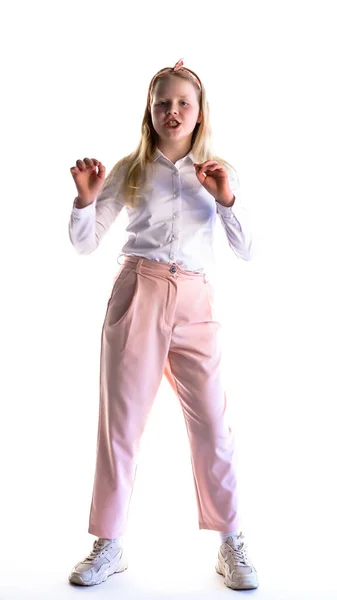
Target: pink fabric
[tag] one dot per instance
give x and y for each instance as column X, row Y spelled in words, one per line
column 157, row 322
column 180, row 65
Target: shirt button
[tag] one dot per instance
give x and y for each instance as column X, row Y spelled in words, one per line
column 173, row 237
column 174, row 215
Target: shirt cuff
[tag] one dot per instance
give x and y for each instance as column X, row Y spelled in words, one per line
column 226, row 211
column 84, row 209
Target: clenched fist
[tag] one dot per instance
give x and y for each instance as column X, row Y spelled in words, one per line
column 88, row 180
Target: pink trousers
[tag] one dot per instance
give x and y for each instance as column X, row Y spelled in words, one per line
column 159, row 320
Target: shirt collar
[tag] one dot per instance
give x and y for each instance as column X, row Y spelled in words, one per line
column 158, row 153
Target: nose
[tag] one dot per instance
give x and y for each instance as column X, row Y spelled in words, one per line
column 171, row 110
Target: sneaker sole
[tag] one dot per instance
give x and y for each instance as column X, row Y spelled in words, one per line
column 238, row 585
column 75, row 578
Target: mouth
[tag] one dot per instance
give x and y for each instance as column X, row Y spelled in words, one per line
column 172, row 124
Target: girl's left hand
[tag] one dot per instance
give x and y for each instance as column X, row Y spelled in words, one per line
column 214, row 177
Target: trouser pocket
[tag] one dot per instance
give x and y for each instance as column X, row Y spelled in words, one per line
column 122, row 297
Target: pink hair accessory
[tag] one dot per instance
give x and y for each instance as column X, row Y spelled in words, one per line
column 179, row 65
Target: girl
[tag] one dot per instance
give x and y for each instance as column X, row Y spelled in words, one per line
column 160, row 316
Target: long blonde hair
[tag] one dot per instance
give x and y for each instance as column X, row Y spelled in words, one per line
column 135, row 163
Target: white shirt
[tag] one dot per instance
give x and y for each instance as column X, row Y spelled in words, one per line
column 173, row 221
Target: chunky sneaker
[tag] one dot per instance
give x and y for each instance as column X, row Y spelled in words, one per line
column 105, row 559
column 233, row 563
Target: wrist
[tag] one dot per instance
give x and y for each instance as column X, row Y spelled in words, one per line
column 226, row 203
column 82, row 202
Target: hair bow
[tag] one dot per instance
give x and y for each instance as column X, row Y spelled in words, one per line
column 180, row 65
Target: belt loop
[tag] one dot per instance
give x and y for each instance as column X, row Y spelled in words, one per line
column 139, row 265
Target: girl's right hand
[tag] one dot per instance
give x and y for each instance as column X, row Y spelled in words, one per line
column 88, row 181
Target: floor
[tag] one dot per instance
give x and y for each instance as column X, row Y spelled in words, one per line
column 168, row 569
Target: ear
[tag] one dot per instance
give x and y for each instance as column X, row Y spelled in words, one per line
column 199, row 119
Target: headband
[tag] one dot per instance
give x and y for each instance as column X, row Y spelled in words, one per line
column 177, row 67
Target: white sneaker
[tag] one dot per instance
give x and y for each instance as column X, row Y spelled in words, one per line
column 235, row 565
column 105, row 559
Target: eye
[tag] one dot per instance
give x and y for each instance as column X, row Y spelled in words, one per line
column 163, row 102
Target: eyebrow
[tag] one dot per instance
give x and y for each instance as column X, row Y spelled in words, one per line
column 182, row 96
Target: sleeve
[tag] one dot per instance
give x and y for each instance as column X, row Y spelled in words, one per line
column 88, row 225
column 236, row 222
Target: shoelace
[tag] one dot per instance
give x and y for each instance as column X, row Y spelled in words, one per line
column 239, row 554
column 95, row 552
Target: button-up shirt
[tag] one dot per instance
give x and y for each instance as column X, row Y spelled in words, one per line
column 173, row 221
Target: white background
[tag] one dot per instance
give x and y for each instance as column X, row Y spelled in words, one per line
column 74, row 84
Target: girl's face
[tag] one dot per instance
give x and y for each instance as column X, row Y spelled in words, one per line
column 175, row 100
